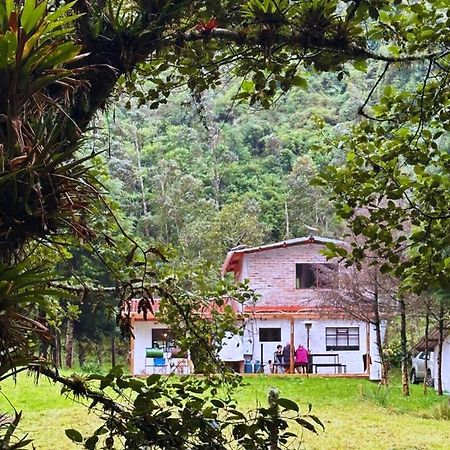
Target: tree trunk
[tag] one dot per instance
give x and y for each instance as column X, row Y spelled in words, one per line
column 404, row 347
column 69, row 344
column 99, row 353
column 82, row 348
column 274, row 430
column 286, row 215
column 377, row 324
column 57, row 360
column 440, row 344
column 113, row 349
column 137, row 149
column 427, row 330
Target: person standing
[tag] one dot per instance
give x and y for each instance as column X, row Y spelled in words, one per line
column 301, row 359
column 278, row 360
column 287, row 357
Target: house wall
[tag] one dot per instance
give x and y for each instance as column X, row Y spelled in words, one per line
column 272, row 274
column 352, row 359
column 143, row 339
column 445, row 365
column 232, row 348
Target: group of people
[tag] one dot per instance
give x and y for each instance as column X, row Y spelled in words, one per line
column 282, row 359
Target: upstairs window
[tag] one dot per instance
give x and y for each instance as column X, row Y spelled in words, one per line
column 270, row 335
column 342, row 338
column 313, row 276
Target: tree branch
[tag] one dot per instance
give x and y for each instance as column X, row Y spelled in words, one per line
column 304, row 41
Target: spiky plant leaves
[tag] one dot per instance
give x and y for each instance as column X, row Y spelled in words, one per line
column 8, row 426
column 22, row 291
column 44, row 186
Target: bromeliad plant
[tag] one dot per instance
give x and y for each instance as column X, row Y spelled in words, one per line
column 43, row 187
column 21, row 294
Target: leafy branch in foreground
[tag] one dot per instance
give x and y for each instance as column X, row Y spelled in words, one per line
column 181, row 413
column 8, row 427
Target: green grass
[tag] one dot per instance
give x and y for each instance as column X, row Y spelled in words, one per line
column 353, row 418
column 356, row 414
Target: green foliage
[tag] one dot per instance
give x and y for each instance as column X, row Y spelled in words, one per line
column 184, row 413
column 43, row 183
column 441, row 411
column 22, row 291
column 378, row 395
column 49, row 94
column 8, row 426
column 393, row 354
column 206, row 194
column 393, row 189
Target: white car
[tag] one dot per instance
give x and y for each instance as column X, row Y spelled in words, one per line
column 418, row 368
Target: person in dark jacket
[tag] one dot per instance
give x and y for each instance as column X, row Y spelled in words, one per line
column 278, row 360
column 287, row 356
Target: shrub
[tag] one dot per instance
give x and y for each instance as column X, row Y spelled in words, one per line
column 379, row 395
column 441, row 411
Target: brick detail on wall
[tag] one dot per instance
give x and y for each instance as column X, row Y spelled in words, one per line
column 271, row 273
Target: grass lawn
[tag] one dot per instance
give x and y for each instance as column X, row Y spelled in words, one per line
column 356, row 415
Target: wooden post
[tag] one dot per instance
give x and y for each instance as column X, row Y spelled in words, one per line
column 368, row 348
column 291, row 368
column 131, row 358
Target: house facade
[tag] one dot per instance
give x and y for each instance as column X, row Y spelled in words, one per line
column 152, row 348
column 445, row 371
column 295, row 283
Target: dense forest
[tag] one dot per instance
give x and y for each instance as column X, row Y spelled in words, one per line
column 205, row 174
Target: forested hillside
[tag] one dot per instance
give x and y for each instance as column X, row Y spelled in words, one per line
column 206, row 173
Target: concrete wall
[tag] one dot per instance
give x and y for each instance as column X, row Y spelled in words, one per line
column 272, row 274
column 232, row 349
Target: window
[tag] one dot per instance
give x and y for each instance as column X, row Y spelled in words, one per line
column 422, row 355
column 305, row 276
column 162, row 338
column 313, row 276
column 270, row 335
column 342, row 338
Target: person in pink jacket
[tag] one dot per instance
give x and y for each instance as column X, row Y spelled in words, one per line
column 301, row 359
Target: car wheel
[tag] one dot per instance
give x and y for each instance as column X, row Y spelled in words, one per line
column 413, row 377
column 429, row 380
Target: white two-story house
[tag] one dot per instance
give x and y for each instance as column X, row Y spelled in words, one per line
column 294, row 281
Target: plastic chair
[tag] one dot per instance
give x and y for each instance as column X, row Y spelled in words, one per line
column 160, row 365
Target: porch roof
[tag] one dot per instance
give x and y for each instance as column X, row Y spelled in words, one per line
column 295, row 312
column 433, row 338
column 136, row 312
column 235, row 255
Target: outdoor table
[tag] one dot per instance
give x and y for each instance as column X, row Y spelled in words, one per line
column 338, row 367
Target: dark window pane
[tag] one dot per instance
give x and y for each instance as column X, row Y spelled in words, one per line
column 305, row 276
column 270, row 335
column 162, row 338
